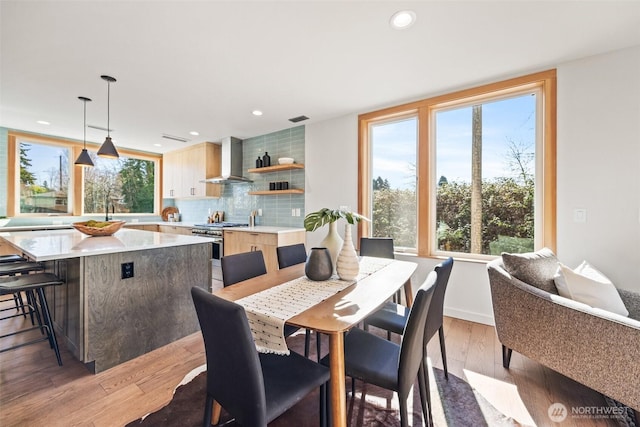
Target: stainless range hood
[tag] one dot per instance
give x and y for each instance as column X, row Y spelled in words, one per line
column 231, row 163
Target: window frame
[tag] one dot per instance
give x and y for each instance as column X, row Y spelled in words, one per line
column 76, row 175
column 544, row 81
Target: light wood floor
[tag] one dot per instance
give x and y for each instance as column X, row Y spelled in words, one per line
column 34, row 390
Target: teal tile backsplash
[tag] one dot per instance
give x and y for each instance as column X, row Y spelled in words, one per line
column 235, row 200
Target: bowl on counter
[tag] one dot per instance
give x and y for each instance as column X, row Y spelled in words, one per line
column 98, row 228
column 285, row 160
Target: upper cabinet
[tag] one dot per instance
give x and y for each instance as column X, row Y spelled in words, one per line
column 183, row 170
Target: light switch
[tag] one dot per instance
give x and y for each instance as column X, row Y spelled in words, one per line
column 580, row 215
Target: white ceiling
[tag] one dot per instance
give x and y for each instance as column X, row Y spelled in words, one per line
column 205, row 65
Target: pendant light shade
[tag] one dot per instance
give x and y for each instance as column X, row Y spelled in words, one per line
column 83, row 158
column 107, row 149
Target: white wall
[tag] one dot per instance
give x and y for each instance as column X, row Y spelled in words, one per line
column 599, row 164
column 598, row 170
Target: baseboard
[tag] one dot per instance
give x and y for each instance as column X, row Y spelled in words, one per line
column 470, row 316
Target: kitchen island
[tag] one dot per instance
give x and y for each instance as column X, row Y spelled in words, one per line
column 124, row 295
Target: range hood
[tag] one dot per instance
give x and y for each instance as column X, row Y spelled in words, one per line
column 231, row 163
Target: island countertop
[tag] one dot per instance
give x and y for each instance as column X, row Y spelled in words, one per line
column 61, row 244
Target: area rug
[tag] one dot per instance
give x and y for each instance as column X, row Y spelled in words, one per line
column 455, row 403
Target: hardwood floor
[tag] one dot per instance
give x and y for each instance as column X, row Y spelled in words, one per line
column 34, row 390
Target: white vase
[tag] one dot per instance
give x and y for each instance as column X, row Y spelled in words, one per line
column 348, row 265
column 333, row 242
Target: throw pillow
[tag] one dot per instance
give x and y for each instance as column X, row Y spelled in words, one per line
column 589, row 286
column 534, row 268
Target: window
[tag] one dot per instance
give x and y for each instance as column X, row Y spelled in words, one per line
column 125, row 185
column 44, row 181
column 393, row 150
column 44, row 178
column 484, row 172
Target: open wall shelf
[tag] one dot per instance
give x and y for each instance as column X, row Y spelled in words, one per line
column 277, row 168
column 277, row 192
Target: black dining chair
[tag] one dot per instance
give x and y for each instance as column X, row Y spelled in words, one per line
column 292, row 255
column 247, row 265
column 380, row 247
column 389, row 365
column 254, row 388
column 239, row 267
column 393, row 317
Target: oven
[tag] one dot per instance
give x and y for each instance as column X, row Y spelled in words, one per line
column 213, row 231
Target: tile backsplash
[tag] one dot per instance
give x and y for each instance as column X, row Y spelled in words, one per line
column 235, row 200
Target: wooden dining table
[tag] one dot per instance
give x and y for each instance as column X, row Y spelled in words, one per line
column 335, row 315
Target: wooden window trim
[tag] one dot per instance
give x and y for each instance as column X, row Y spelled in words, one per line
column 544, row 80
column 77, row 176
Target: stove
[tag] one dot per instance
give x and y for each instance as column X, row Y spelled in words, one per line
column 221, row 225
column 213, row 231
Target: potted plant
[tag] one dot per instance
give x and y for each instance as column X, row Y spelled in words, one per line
column 333, row 242
column 318, row 219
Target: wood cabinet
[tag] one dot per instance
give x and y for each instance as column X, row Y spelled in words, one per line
column 267, row 242
column 174, row 229
column 7, row 249
column 183, row 170
column 146, row 227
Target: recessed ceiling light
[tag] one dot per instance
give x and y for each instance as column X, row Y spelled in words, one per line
column 157, row 145
column 256, row 112
column 42, row 122
column 402, row 19
column 194, row 133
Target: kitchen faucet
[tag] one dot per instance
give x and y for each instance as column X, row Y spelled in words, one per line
column 106, row 209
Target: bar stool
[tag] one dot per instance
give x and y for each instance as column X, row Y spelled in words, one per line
column 17, row 298
column 33, row 283
column 10, row 258
column 12, row 266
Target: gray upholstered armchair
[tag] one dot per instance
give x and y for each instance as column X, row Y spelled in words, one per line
column 594, row 347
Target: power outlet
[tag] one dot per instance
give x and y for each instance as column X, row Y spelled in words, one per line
column 127, row 270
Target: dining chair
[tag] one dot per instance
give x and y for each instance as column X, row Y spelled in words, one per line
column 292, row 255
column 380, row 247
column 242, row 266
column 393, row 317
column 254, row 388
column 247, row 265
column 389, row 365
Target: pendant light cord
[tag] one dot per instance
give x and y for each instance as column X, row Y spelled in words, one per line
column 84, row 128
column 108, row 106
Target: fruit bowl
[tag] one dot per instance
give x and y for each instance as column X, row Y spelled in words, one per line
column 98, row 228
column 285, row 160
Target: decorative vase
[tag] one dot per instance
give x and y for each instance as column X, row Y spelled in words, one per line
column 333, row 242
column 348, row 264
column 318, row 266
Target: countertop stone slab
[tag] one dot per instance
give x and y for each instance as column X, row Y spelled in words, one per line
column 61, row 244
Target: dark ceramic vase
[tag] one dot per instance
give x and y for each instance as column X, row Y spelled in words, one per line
column 318, row 266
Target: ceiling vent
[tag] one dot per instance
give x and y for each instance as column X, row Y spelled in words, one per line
column 99, row 128
column 175, row 138
column 298, row 119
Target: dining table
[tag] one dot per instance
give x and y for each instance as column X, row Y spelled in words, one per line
column 337, row 314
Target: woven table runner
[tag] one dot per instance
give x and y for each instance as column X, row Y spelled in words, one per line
column 267, row 311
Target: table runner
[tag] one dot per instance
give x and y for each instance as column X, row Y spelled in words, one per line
column 267, row 311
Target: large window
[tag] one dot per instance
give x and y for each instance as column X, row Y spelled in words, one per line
column 125, row 185
column 43, row 180
column 483, row 179
column 393, row 150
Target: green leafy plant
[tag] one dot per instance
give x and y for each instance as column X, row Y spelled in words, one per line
column 315, row 220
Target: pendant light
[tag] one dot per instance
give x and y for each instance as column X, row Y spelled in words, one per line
column 107, row 149
column 83, row 158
